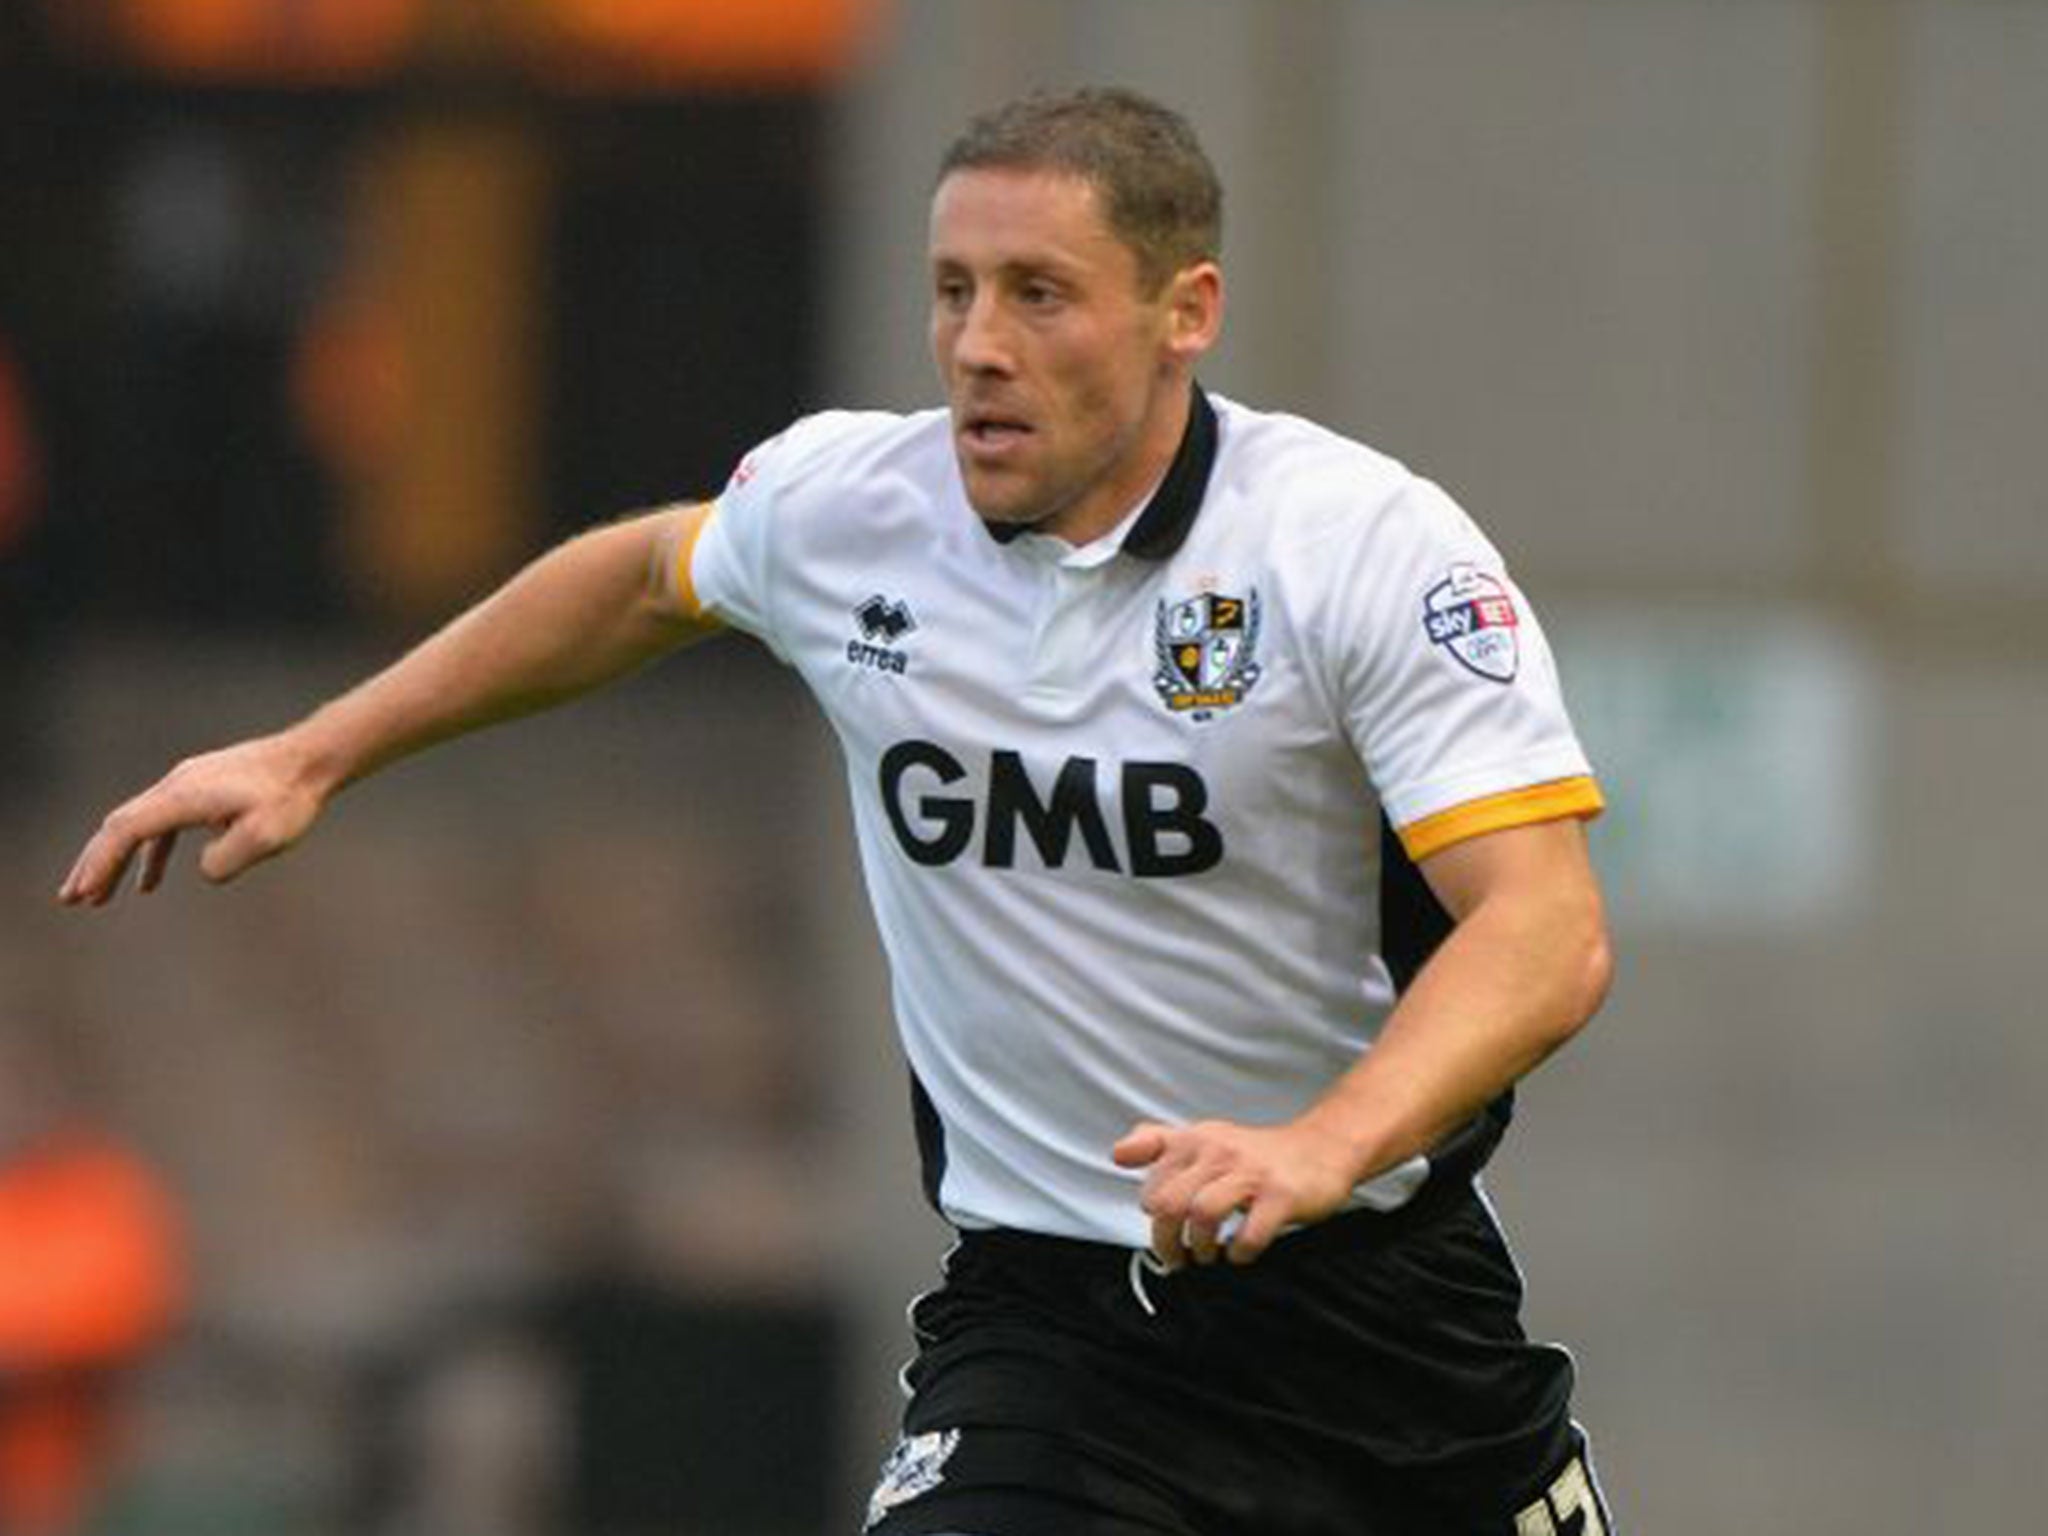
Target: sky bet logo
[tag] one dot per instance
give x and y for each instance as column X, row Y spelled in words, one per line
column 937, row 813
column 886, row 621
column 1472, row 615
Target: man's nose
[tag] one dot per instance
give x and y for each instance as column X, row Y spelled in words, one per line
column 983, row 342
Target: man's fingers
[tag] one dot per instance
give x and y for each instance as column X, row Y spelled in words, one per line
column 1211, row 1210
column 1191, row 1238
column 77, row 885
column 1141, row 1145
column 1214, row 1189
column 243, row 797
column 1262, row 1223
column 140, row 825
column 101, row 864
column 147, row 825
column 228, row 853
column 1165, row 1200
column 247, row 840
column 156, row 858
column 1191, row 1198
column 1169, row 1241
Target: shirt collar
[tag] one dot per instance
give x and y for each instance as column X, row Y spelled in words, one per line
column 1162, row 526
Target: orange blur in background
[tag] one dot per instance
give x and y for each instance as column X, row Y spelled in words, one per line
column 655, row 43
column 92, row 1278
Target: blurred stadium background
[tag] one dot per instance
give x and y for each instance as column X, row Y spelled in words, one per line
column 537, row 1131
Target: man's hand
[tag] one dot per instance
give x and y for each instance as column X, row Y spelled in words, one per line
column 251, row 795
column 1200, row 1176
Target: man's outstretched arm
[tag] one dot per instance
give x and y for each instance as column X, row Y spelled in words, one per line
column 588, row 611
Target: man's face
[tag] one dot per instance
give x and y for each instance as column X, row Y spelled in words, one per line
column 1060, row 370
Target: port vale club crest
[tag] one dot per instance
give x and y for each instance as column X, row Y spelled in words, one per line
column 1207, row 649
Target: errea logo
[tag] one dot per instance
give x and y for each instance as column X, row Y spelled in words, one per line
column 879, row 618
column 886, row 620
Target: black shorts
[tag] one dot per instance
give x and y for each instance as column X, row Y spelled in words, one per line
column 1367, row 1377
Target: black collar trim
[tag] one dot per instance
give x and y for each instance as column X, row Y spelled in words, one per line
column 1163, row 526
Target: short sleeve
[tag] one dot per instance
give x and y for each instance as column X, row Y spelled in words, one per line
column 1446, row 683
column 733, row 563
column 729, row 562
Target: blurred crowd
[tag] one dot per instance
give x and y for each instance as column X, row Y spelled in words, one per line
column 466, row 1183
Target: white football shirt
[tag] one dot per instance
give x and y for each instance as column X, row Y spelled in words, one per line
column 1120, row 807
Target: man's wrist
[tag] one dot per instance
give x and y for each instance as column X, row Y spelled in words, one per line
column 313, row 758
column 1347, row 1135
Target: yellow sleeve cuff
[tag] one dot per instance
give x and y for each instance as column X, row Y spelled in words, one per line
column 695, row 520
column 1560, row 798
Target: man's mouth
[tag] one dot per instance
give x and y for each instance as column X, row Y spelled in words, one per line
column 992, row 433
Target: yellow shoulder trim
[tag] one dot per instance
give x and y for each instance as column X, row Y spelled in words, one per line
column 694, row 521
column 1579, row 797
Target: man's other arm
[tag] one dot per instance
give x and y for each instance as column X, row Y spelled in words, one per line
column 1525, row 967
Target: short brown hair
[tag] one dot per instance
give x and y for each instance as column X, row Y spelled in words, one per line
column 1158, row 189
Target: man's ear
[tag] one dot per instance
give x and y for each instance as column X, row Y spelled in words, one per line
column 1194, row 309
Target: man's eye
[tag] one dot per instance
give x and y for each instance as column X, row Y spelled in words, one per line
column 952, row 294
